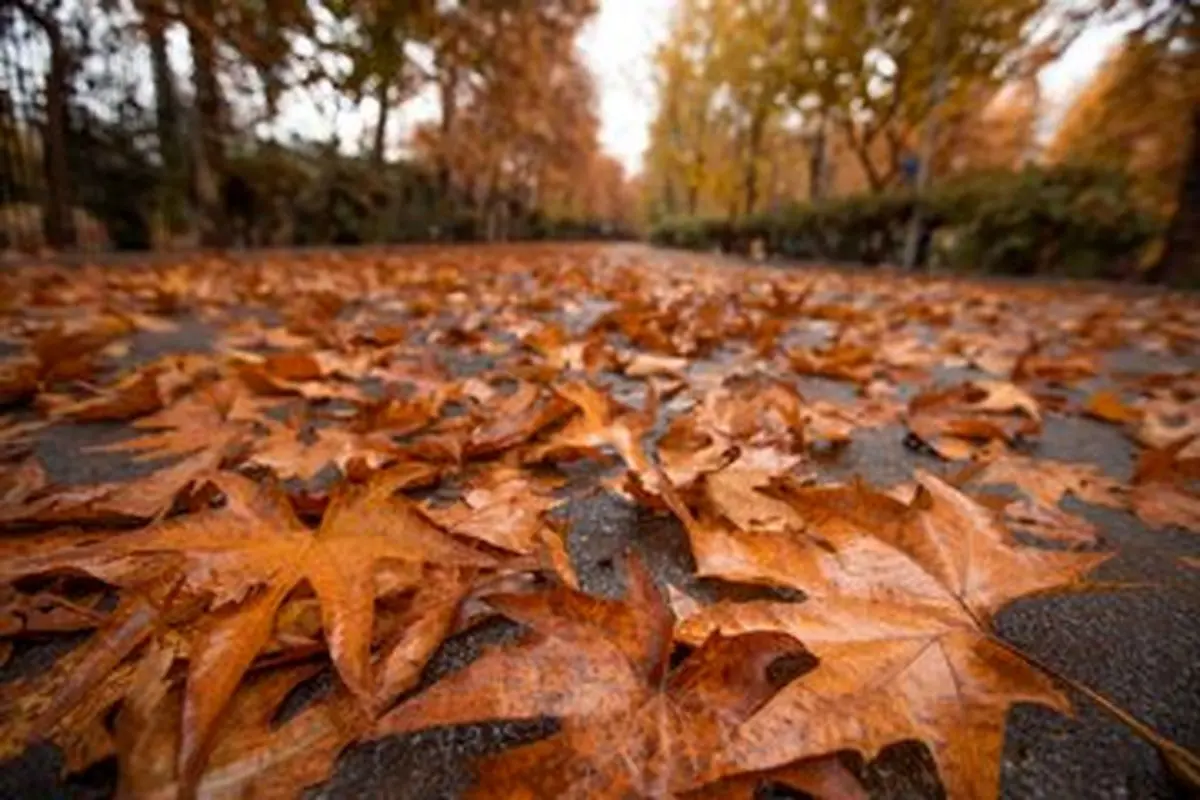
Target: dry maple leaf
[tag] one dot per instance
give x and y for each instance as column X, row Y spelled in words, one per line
column 514, row 419
column 143, row 391
column 217, row 416
column 628, row 727
column 601, row 422
column 690, row 448
column 956, row 421
column 759, row 424
column 503, row 507
column 67, row 350
column 844, row 362
column 293, row 449
column 252, row 756
column 898, row 615
column 1047, row 482
column 1162, row 495
column 252, row 553
column 1107, row 405
column 1050, row 523
column 1065, row 369
column 290, row 373
column 141, row 499
column 736, row 493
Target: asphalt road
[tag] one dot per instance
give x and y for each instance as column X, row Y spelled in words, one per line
column 1139, row 646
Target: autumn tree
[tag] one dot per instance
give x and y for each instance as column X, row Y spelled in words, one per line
column 684, row 158
column 53, row 21
column 224, row 37
column 852, row 80
column 517, row 104
column 1133, row 116
column 750, row 68
column 383, row 67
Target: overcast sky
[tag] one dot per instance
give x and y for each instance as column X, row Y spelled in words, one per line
column 618, row 46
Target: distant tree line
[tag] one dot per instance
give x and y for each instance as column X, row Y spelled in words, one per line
column 157, row 123
column 769, row 109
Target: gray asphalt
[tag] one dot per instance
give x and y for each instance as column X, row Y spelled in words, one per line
column 1140, row 647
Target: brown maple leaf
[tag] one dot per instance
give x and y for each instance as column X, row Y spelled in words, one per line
column 1047, row 482
column 956, row 421
column 514, row 419
column 759, row 424
column 142, row 391
column 503, row 507
column 67, row 350
column 294, row 449
column 251, row 553
column 292, row 373
column 252, row 756
column 141, row 499
column 1162, row 493
column 1067, row 369
column 1049, row 523
column 1107, row 405
column 899, row 616
column 842, row 361
column 214, row 417
column 599, row 422
column 628, row 727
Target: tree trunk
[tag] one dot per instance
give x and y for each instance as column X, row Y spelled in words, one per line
column 166, row 101
column 448, row 87
column 937, row 94
column 1180, row 260
column 816, row 163
column 861, row 147
column 57, row 221
column 167, row 120
column 381, row 122
column 208, row 155
column 693, row 189
column 758, row 126
column 60, row 230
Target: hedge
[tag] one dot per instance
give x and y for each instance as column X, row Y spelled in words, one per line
column 1065, row 220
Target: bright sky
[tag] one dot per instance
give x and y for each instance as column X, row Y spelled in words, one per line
column 618, row 46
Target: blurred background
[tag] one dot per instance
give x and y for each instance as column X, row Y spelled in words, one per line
column 1015, row 136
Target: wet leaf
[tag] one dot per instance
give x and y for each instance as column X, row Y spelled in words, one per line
column 899, row 616
column 629, row 727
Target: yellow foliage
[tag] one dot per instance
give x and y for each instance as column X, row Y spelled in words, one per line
column 1134, row 115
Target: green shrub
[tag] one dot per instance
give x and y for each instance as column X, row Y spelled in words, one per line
column 1066, row 220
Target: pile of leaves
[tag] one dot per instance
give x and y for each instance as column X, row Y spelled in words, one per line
column 344, row 461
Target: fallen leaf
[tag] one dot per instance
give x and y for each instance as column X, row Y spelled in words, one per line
column 956, row 422
column 1162, row 495
column 629, row 727
column 898, row 616
column 1050, row 523
column 251, row 553
column 1047, row 482
column 1108, row 406
column 503, row 508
